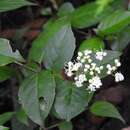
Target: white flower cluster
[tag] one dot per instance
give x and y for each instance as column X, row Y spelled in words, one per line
column 87, row 70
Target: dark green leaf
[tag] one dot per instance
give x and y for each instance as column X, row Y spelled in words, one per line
column 6, row 5
column 55, row 45
column 6, row 73
column 105, row 109
column 38, row 46
column 7, row 55
column 122, row 40
column 114, row 22
column 86, row 15
column 5, row 117
column 37, row 95
column 66, row 126
column 62, row 50
column 92, row 44
column 70, row 101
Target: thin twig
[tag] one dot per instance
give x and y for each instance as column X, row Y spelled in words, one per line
column 54, row 3
column 53, row 126
column 26, row 67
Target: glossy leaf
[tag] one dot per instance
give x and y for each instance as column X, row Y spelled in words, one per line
column 35, row 88
column 5, row 117
column 6, row 73
column 61, row 51
column 6, row 5
column 55, row 45
column 92, row 44
column 86, row 15
column 122, row 40
column 66, row 126
column 70, row 101
column 114, row 22
column 105, row 109
column 7, row 55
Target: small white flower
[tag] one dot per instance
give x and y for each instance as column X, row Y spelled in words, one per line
column 80, row 54
column 98, row 70
column 76, row 66
column 116, row 60
column 82, row 78
column 96, row 81
column 108, row 66
column 87, row 57
column 93, row 65
column 69, row 73
column 78, row 58
column 104, row 54
column 114, row 68
column 101, row 67
column 83, row 60
column 78, row 84
column 89, row 60
column 91, row 88
column 91, row 73
column 119, row 77
column 117, row 63
column 100, row 55
column 87, row 66
column 87, row 52
column 75, row 78
column 68, row 68
column 85, row 70
column 109, row 72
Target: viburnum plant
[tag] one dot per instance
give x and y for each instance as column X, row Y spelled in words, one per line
column 87, row 69
column 58, row 78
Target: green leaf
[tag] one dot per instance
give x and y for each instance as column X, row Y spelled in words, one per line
column 119, row 4
column 105, row 109
column 122, row 40
column 38, row 46
column 5, row 117
column 37, row 95
column 7, row 55
column 22, row 116
column 65, row 9
column 86, row 15
column 6, row 73
column 114, row 22
column 55, row 46
column 70, row 101
column 102, row 4
column 66, row 126
column 6, row 5
column 3, row 128
column 92, row 44
column 60, row 49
